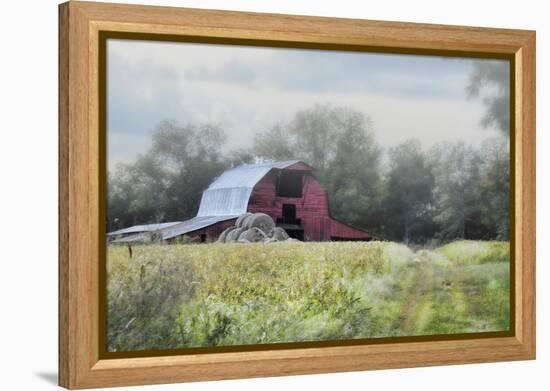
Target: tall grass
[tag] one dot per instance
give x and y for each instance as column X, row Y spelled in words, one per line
column 227, row 294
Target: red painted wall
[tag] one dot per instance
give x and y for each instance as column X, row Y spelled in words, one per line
column 341, row 230
column 312, row 208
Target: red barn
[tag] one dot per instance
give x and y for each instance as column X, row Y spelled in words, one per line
column 287, row 191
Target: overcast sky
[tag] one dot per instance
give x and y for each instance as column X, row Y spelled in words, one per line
column 248, row 89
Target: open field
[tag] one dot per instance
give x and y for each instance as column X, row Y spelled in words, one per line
column 174, row 296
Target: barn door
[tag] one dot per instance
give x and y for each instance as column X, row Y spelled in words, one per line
column 289, row 213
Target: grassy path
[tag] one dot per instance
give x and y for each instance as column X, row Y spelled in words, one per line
column 446, row 296
column 422, row 294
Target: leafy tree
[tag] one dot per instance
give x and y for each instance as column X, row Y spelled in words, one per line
column 274, row 144
column 192, row 154
column 137, row 193
column 240, row 156
column 120, row 194
column 166, row 183
column 339, row 144
column 457, row 185
column 409, row 188
column 353, row 175
column 491, row 80
column 495, row 188
column 315, row 132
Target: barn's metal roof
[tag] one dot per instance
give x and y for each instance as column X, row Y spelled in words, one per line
column 136, row 238
column 175, row 230
column 192, row 225
column 230, row 192
column 142, row 228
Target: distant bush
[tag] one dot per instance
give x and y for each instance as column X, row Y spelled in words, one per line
column 476, row 252
column 143, row 296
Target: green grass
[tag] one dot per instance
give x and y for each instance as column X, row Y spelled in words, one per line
column 176, row 296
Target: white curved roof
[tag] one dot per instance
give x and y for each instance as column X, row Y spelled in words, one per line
column 228, row 195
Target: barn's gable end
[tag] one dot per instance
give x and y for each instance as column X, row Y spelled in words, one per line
column 311, row 210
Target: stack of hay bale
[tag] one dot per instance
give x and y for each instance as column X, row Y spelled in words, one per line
column 252, row 228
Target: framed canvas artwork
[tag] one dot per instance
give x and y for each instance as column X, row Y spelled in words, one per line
column 254, row 195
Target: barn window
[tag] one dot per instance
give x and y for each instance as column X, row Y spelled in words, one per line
column 290, row 184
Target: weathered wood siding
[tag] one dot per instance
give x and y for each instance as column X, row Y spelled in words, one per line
column 339, row 230
column 212, row 232
column 312, row 209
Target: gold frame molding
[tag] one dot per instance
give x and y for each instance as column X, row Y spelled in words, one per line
column 82, row 29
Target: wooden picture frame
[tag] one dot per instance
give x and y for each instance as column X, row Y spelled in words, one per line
column 81, row 364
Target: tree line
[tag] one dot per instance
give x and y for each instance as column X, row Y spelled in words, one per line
column 449, row 191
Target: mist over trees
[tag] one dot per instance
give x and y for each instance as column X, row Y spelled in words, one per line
column 344, row 154
column 166, row 183
column 491, row 81
column 409, row 194
column 406, row 193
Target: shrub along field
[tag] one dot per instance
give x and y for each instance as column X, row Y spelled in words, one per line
column 175, row 296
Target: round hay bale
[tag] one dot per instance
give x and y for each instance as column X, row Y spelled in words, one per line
column 233, row 235
column 243, row 240
column 246, row 221
column 243, row 233
column 241, row 218
column 270, row 240
column 253, row 235
column 261, row 221
column 279, row 234
column 223, row 235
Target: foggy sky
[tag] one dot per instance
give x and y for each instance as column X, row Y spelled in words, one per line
column 246, row 90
